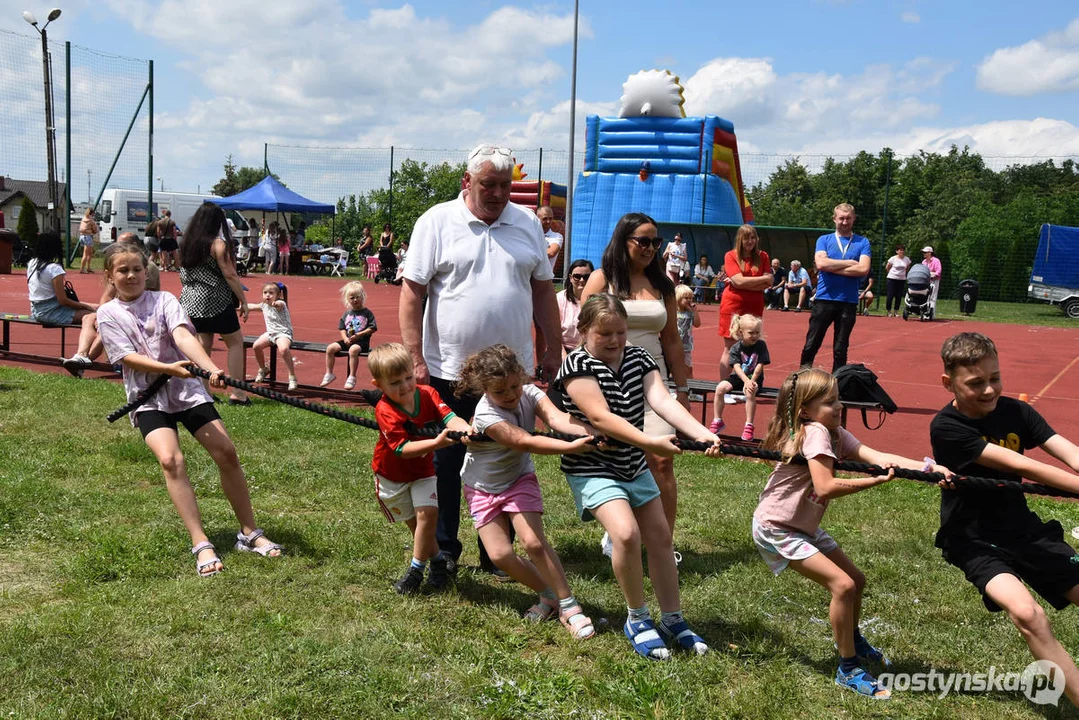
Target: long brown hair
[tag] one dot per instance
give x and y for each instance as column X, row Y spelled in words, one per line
column 615, row 262
column 786, row 431
column 739, row 248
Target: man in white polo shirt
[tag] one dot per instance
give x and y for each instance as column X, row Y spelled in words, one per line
column 553, row 237
column 482, row 264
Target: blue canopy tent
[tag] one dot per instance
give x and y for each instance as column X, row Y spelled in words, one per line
column 271, row 196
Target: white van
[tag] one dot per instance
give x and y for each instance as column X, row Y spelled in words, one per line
column 123, row 210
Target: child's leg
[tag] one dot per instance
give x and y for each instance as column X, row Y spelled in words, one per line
column 217, row 442
column 618, row 519
column 331, row 355
column 722, row 389
column 165, row 445
column 495, row 537
column 1027, row 614
column 424, row 545
column 354, row 359
column 662, row 569
column 751, row 406
column 259, row 346
column 284, row 346
column 529, row 527
column 88, row 334
column 846, row 596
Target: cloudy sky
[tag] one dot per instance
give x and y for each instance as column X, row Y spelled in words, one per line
column 794, row 76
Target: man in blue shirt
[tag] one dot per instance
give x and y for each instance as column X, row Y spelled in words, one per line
column 842, row 259
column 798, row 283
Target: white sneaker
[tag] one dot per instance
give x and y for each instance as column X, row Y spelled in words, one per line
column 606, row 546
column 350, row 382
column 327, row 379
column 728, row 399
column 292, row 382
column 260, row 376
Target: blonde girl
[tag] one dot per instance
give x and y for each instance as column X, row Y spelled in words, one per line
column 274, row 309
column 500, row 483
column 606, row 383
column 747, row 357
column 149, row 332
column 87, row 230
column 806, row 431
column 357, row 325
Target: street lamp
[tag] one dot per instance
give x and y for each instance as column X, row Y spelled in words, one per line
column 50, row 128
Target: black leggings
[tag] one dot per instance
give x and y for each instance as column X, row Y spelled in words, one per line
column 895, row 290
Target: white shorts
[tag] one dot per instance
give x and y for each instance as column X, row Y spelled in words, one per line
column 779, row 547
column 400, row 500
column 272, row 337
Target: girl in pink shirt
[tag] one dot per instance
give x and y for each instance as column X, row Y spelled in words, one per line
column 151, row 334
column 807, row 431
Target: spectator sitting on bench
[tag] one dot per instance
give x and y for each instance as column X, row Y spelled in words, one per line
column 703, row 275
column 278, row 335
column 357, row 326
column 797, row 280
column 774, row 294
column 50, row 305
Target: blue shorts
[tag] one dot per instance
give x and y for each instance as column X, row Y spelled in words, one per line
column 86, row 240
column 52, row 312
column 591, row 492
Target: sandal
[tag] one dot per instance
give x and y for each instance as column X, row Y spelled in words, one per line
column 862, row 683
column 645, row 640
column 579, row 625
column 542, row 610
column 246, row 543
column 681, row 636
column 202, row 567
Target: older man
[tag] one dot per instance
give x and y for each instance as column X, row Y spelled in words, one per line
column 482, row 263
column 842, row 259
column 797, row 283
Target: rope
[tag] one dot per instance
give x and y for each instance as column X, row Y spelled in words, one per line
column 750, row 451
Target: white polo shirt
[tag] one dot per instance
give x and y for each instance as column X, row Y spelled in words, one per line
column 478, row 279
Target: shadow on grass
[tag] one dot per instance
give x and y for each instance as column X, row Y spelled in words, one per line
column 583, row 557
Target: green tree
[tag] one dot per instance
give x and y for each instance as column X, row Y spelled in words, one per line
column 236, row 180
column 27, row 228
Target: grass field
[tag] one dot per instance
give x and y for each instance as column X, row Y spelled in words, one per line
column 102, row 615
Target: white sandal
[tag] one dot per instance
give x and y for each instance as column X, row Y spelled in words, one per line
column 200, row 567
column 246, row 543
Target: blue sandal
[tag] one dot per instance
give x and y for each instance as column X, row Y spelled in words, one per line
column 862, row 683
column 865, row 651
column 681, row 636
column 645, row 640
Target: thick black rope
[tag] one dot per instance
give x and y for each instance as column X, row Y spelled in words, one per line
column 140, row 399
column 750, row 451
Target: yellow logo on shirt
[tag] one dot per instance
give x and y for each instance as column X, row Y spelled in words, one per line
column 1011, row 442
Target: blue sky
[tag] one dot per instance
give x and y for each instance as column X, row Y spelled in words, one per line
column 795, row 76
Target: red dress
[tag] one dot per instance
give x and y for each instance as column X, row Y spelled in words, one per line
column 740, row 302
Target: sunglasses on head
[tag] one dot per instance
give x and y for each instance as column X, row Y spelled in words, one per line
column 489, row 150
column 644, row 242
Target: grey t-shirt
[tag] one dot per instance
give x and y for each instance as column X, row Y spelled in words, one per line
column 491, row 467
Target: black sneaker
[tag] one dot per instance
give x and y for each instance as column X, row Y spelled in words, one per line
column 438, row 576
column 494, row 572
column 410, row 582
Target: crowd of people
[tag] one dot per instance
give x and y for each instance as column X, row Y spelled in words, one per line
column 478, row 279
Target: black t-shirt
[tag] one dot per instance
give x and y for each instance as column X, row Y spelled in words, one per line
column 779, row 277
column 995, row 516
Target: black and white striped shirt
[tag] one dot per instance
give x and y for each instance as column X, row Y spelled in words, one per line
column 624, row 391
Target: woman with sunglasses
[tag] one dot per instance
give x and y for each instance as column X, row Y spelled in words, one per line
column 749, row 274
column 632, row 271
column 569, row 303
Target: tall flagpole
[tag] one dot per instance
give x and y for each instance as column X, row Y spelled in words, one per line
column 572, row 124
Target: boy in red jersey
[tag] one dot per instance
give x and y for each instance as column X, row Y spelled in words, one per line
column 403, row 461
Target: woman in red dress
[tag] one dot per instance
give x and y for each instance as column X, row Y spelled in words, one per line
column 749, row 274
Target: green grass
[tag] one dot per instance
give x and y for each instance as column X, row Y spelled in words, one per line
column 101, row 614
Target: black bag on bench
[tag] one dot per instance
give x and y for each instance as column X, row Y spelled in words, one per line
column 857, row 383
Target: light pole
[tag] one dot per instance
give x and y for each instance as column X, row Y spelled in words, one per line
column 50, row 128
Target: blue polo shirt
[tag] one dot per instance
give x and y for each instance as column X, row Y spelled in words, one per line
column 837, row 287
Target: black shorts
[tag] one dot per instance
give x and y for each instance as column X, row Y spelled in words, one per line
column 1041, row 559
column 738, row 386
column 223, row 323
column 169, row 245
column 193, row 418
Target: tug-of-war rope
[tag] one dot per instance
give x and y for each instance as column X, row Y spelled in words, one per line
column 750, row 451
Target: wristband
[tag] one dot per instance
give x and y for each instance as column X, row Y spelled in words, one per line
column 682, row 389
column 929, row 463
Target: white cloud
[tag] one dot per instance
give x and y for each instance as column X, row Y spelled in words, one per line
column 910, row 17
column 1048, row 64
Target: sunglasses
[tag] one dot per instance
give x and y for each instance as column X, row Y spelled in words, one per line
column 583, row 277
column 489, row 150
column 645, row 242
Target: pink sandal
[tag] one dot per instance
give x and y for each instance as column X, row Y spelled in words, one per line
column 542, row 610
column 579, row 625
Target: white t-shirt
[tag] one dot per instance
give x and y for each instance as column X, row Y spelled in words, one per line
column 478, row 279
column 900, row 265
column 491, row 467
column 553, row 237
column 676, row 257
column 40, row 283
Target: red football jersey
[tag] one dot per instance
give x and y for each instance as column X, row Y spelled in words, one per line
column 393, row 423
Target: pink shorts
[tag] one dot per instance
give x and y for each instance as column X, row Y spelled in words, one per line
column 522, row 497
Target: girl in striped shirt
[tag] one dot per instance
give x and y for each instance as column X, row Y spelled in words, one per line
column 605, row 383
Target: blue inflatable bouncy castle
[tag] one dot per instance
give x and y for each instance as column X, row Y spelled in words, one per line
column 674, row 168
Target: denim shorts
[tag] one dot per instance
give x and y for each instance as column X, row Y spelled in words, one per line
column 52, row 312
column 591, row 492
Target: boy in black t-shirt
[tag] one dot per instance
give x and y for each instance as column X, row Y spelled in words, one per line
column 991, row 535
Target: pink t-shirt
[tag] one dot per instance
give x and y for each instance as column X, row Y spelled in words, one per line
column 144, row 326
column 568, row 312
column 934, row 266
column 788, row 501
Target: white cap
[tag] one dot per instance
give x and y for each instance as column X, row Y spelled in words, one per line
column 927, row 248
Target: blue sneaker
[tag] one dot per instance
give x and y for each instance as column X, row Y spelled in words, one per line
column 865, row 651
column 645, row 640
column 679, row 635
column 862, row 683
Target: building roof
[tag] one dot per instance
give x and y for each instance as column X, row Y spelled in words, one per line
column 36, row 190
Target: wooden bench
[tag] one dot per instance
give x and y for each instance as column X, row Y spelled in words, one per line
column 9, row 319
column 297, row 345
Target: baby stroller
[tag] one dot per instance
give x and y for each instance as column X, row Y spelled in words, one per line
column 387, row 266
column 919, row 300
